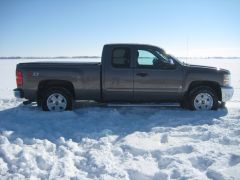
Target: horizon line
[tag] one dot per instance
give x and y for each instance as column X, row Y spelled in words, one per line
column 92, row 57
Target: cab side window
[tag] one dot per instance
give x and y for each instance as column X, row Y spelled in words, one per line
column 145, row 58
column 121, row 57
column 153, row 60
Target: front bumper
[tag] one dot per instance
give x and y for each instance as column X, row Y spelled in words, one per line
column 227, row 93
column 18, row 93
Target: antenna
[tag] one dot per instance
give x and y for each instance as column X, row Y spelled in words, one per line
column 187, row 50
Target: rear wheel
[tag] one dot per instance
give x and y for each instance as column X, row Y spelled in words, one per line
column 57, row 99
column 203, row 98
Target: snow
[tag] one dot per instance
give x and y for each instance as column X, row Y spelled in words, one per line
column 95, row 142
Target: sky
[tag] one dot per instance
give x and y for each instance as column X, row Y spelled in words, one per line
column 81, row 27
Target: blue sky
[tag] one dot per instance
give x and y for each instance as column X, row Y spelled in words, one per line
column 75, row 27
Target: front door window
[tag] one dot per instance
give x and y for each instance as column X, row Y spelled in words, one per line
column 154, row 60
column 145, row 58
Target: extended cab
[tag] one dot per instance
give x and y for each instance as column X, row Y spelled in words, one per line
column 132, row 73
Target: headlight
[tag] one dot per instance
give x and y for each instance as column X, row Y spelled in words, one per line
column 226, row 79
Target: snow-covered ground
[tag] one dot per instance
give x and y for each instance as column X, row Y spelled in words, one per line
column 119, row 142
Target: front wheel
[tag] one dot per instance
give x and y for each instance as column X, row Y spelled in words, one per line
column 203, row 98
column 57, row 99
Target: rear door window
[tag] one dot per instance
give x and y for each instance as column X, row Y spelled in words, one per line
column 121, row 57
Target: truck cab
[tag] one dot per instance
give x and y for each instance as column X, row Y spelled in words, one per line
column 140, row 73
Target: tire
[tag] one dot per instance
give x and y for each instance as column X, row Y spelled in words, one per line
column 57, row 99
column 203, row 98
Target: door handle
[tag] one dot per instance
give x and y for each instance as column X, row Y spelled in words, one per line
column 142, row 74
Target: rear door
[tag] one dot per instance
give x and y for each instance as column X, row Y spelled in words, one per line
column 118, row 75
column 154, row 80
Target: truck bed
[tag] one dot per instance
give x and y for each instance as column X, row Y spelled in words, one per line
column 84, row 76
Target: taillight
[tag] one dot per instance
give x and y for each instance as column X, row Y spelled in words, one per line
column 19, row 78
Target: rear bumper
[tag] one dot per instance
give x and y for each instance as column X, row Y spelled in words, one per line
column 18, row 93
column 227, row 93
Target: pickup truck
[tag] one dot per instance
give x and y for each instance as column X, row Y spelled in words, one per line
column 128, row 73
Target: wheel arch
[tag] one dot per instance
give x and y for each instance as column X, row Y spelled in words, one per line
column 213, row 85
column 45, row 84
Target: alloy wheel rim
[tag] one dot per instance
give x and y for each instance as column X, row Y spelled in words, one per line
column 203, row 101
column 56, row 102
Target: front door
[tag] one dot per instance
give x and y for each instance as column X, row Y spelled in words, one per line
column 156, row 78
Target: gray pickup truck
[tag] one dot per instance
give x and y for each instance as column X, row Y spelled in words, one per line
column 128, row 73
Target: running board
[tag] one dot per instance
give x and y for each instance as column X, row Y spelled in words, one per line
column 145, row 105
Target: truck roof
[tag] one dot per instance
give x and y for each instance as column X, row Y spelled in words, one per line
column 133, row 44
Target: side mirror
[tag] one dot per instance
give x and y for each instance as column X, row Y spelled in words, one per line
column 170, row 65
column 172, row 62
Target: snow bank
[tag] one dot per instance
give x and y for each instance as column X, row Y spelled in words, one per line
column 118, row 142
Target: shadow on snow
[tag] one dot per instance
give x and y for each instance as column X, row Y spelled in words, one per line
column 29, row 122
